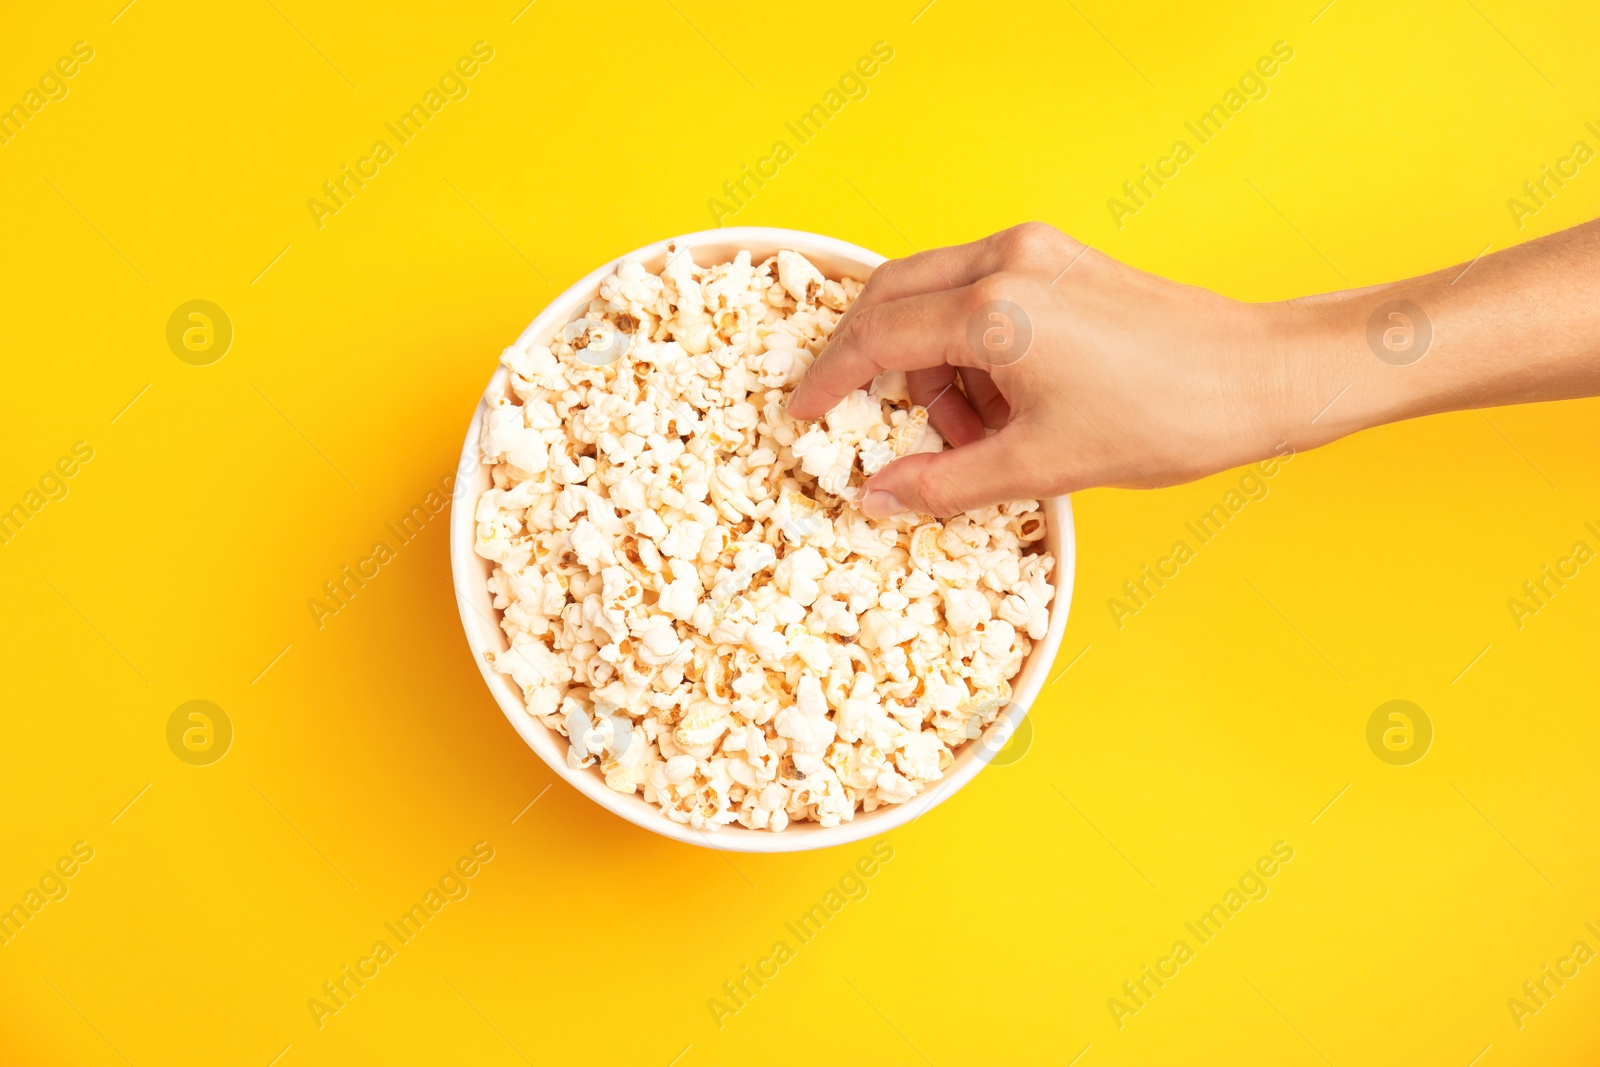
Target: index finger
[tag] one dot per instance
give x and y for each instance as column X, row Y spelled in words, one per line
column 928, row 271
column 1027, row 246
column 912, row 333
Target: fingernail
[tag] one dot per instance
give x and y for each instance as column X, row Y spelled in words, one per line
column 880, row 504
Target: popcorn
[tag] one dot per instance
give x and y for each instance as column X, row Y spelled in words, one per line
column 690, row 595
column 801, row 280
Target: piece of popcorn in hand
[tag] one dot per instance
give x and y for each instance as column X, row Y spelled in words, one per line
column 857, row 414
column 874, row 456
column 835, row 481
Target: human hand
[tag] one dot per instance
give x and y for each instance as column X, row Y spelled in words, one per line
column 1088, row 372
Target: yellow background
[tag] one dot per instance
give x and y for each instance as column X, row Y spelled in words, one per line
column 369, row 757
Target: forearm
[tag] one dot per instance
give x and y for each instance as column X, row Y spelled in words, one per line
column 1518, row 326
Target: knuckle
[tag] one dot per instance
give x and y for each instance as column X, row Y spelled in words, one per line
column 988, row 289
column 1030, row 241
column 881, row 280
column 937, row 495
column 860, row 331
column 994, row 287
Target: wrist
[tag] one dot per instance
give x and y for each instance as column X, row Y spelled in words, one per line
column 1345, row 362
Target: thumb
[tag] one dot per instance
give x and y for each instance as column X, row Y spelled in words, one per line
column 996, row 469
